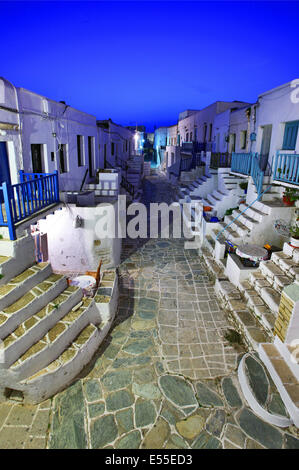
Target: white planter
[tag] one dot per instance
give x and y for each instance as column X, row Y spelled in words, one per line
column 294, row 242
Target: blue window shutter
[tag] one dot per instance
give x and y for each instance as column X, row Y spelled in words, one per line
column 290, row 135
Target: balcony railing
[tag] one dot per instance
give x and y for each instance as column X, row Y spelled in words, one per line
column 220, row 160
column 286, row 168
column 257, row 174
column 241, row 163
column 22, row 200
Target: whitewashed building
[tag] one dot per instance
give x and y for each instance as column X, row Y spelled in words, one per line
column 116, row 143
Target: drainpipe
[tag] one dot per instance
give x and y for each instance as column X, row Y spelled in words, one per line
column 248, row 114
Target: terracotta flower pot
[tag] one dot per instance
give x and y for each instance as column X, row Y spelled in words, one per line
column 287, row 201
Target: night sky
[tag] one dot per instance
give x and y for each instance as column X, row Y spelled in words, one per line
column 145, row 62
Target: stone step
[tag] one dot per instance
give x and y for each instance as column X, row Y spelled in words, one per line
column 261, row 393
column 64, row 368
column 278, row 255
column 271, row 298
column 290, row 354
column 212, row 200
column 30, row 303
column 245, row 219
column 34, row 328
column 56, row 339
column 229, row 232
column 270, row 269
column 236, row 225
column 5, row 262
column 20, row 284
column 283, row 377
column 253, row 212
column 218, row 194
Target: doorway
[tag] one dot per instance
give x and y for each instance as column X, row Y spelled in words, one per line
column 36, row 154
column 4, row 167
column 90, row 141
column 265, row 147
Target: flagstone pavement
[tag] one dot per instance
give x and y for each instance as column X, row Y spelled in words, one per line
column 165, row 377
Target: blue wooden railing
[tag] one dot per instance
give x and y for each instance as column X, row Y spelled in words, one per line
column 34, row 192
column 286, row 168
column 256, row 173
column 241, row 163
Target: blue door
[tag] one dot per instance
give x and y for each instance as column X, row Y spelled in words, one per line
column 4, row 167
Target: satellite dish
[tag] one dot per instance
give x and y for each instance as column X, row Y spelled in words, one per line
column 282, row 227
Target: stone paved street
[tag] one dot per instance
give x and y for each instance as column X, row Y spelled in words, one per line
column 165, row 376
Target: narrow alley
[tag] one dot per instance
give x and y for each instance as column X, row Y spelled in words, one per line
column 165, row 376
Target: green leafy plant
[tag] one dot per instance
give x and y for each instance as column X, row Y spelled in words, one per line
column 294, row 230
column 291, row 194
column 230, row 211
column 244, row 185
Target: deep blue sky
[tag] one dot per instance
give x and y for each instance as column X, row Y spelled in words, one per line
column 147, row 61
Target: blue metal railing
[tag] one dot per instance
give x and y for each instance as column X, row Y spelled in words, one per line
column 256, row 173
column 241, row 163
column 35, row 192
column 286, row 168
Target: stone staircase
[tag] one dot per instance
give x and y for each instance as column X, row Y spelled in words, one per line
column 134, row 174
column 253, row 223
column 255, row 302
column 48, row 330
column 282, row 362
column 227, row 195
column 195, row 189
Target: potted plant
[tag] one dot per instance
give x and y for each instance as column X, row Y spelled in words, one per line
column 294, row 230
column 290, row 196
column 244, row 185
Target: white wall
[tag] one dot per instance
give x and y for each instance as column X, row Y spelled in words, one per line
column 277, row 107
column 123, row 139
column 79, row 249
column 41, row 120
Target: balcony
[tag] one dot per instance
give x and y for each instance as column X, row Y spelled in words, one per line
column 241, row 163
column 286, row 168
column 34, row 193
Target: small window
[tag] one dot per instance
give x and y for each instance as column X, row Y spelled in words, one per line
column 187, row 137
column 62, row 158
column 79, row 149
column 243, row 139
column 126, row 145
column 52, row 156
column 290, row 135
column 190, row 136
column 205, row 133
column 210, row 132
column 112, row 148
